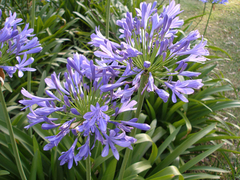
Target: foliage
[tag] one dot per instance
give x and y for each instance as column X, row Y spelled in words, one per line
column 181, row 134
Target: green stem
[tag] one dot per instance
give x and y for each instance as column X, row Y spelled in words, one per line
column 20, row 9
column 107, row 18
column 204, row 9
column 11, row 134
column 32, row 25
column 29, row 75
column 88, row 168
column 139, row 108
column 208, row 20
column 133, row 8
column 88, row 163
column 162, row 2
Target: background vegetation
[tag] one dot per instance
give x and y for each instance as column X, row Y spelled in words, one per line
column 198, row 140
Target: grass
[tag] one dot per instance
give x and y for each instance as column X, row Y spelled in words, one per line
column 224, row 32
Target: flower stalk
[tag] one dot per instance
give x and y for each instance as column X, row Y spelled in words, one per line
column 204, row 9
column 141, row 96
column 208, row 19
column 11, row 134
column 29, row 74
column 107, row 18
column 88, row 166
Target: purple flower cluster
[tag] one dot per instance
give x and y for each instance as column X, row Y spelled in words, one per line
column 89, row 98
column 14, row 43
column 85, row 110
column 216, row 1
column 149, row 48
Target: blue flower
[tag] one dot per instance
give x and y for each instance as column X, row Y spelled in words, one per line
column 86, row 109
column 84, row 151
column 216, row 1
column 68, row 156
column 184, row 87
column 22, row 63
column 133, row 123
column 54, row 140
column 97, row 116
column 9, row 69
column 14, row 42
column 113, row 139
column 149, row 48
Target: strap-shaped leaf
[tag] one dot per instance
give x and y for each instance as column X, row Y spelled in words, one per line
column 169, row 139
column 3, row 172
column 208, row 168
column 198, row 158
column 110, row 171
column 137, row 168
column 182, row 147
column 166, row 173
column 195, row 176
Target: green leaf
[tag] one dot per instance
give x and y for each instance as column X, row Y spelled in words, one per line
column 49, row 21
column 153, row 114
column 207, row 139
column 143, row 138
column 39, row 25
column 37, row 161
column 199, row 102
column 153, row 154
column 41, row 85
column 86, row 19
column 137, row 168
column 61, row 30
column 7, row 86
column 33, row 172
column 208, row 168
column 194, row 17
column 168, row 140
column 171, row 170
column 3, row 172
column 229, row 164
column 174, row 108
column 131, row 177
column 157, row 104
column 110, row 171
column 187, row 122
column 219, row 49
column 182, row 147
column 9, row 165
column 198, row 158
column 21, row 136
column 204, row 71
column 141, row 149
column 153, row 127
column 166, row 177
column 195, row 176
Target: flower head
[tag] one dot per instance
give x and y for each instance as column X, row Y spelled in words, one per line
column 215, row 1
column 157, row 54
column 16, row 43
column 86, row 110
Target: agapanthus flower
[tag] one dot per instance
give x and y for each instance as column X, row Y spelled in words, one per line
column 149, row 48
column 86, row 110
column 14, row 43
column 215, row 1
